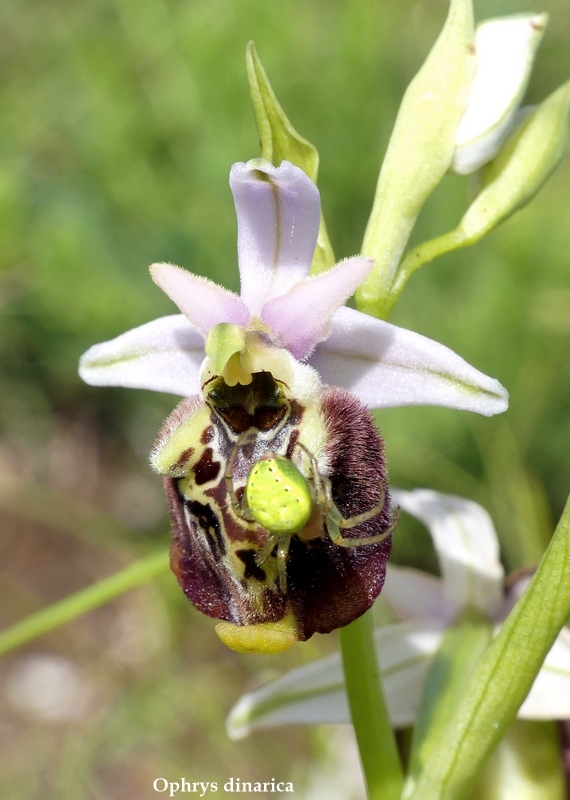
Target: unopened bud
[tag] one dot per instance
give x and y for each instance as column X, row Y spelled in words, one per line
column 505, row 51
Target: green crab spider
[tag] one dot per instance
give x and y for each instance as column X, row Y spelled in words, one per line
column 286, row 503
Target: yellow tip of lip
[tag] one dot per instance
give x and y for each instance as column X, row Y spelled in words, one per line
column 267, row 637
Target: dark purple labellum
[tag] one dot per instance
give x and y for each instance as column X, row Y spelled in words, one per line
column 215, row 551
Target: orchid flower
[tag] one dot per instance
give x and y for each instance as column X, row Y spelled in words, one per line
column 471, row 579
column 293, row 331
column 278, row 211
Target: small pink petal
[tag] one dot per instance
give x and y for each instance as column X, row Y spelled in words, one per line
column 278, row 212
column 386, row 366
column 164, row 355
column 302, row 317
column 202, row 301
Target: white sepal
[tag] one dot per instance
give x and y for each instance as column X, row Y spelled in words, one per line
column 164, row 355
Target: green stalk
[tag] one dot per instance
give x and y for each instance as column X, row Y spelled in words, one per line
column 57, row 614
column 379, row 755
column 420, row 255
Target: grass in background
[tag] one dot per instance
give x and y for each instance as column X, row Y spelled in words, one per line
column 118, row 124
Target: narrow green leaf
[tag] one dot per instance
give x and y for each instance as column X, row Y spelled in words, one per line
column 419, row 153
column 57, row 614
column 280, row 141
column 502, row 678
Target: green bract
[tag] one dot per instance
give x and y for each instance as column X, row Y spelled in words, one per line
column 419, row 153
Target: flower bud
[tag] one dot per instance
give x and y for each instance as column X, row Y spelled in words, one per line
column 505, row 51
column 523, row 165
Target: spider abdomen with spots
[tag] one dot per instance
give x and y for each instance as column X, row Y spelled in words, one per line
column 288, row 503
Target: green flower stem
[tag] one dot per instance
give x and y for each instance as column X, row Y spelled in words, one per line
column 423, row 254
column 503, row 677
column 376, row 742
column 57, row 614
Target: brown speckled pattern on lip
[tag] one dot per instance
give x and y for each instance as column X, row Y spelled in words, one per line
column 327, row 586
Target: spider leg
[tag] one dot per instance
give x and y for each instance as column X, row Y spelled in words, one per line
column 352, row 522
column 282, row 553
column 263, row 554
column 335, row 533
column 334, row 520
column 322, row 488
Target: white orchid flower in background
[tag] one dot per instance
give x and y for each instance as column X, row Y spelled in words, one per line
column 278, row 212
column 505, row 49
column 471, row 580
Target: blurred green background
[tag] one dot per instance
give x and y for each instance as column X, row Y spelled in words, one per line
column 119, row 121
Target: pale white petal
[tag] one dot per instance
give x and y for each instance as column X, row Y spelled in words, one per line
column 384, row 366
column 315, row 694
column 413, row 594
column 202, row 301
column 505, row 49
column 466, row 546
column 549, row 697
column 302, row 317
column 164, row 355
column 278, row 212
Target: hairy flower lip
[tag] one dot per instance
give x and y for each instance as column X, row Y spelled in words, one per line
column 278, row 211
